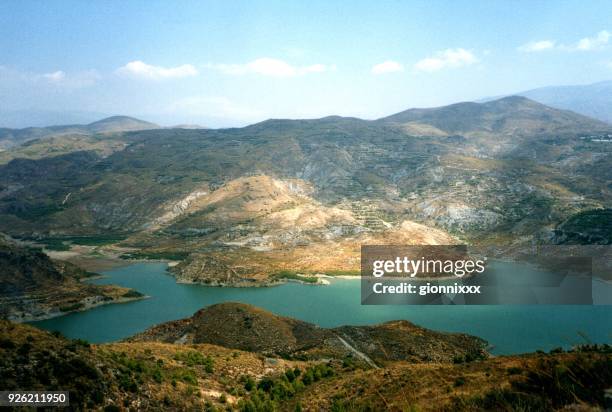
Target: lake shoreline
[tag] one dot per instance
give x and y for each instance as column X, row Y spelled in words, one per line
column 530, row 328
column 95, row 259
column 84, row 308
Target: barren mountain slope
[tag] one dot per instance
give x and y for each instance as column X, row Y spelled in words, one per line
column 278, row 195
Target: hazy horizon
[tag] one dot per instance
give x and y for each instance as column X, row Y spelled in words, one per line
column 39, row 118
column 221, row 65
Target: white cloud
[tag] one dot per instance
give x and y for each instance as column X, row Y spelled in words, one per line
column 596, row 42
column 57, row 80
column 388, row 66
column 266, row 66
column 449, row 58
column 55, row 76
column 593, row 43
column 537, row 46
column 141, row 69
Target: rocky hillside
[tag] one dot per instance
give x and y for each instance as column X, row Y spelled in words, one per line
column 102, row 145
column 240, row 326
column 161, row 376
column 533, row 382
column 245, row 327
column 144, row 376
column 274, row 226
column 32, row 286
column 240, row 206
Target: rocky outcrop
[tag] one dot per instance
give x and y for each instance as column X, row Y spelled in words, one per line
column 34, row 287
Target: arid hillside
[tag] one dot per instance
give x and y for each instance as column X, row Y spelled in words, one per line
column 32, row 286
column 150, row 375
column 245, row 327
column 284, row 198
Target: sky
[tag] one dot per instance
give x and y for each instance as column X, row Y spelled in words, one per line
column 231, row 63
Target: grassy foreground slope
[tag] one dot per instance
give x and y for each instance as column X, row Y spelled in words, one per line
column 149, row 375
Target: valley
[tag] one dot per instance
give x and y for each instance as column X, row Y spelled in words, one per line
column 189, row 228
column 323, row 206
column 240, row 206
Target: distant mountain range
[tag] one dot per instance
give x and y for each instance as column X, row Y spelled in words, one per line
column 254, row 205
column 509, row 115
column 593, row 100
column 14, row 137
column 19, row 119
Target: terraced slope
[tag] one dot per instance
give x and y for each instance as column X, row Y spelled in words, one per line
column 238, row 206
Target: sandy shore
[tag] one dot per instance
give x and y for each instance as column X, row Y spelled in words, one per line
column 90, row 258
column 323, row 276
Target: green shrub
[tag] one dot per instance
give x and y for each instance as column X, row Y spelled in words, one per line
column 460, row 381
column 81, row 342
column 132, row 294
column 195, row 358
column 249, row 384
column 72, row 307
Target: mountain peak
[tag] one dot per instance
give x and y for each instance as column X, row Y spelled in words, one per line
column 513, row 100
column 508, row 115
column 120, row 123
column 116, row 118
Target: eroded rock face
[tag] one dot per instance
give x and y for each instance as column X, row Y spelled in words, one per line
column 283, row 190
column 252, row 257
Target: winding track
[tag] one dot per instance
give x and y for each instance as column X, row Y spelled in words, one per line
column 362, row 355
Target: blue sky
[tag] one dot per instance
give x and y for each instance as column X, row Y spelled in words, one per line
column 232, row 63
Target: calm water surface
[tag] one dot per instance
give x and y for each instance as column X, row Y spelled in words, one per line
column 510, row 329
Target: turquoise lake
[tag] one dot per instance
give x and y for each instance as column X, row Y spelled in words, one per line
column 509, row 329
